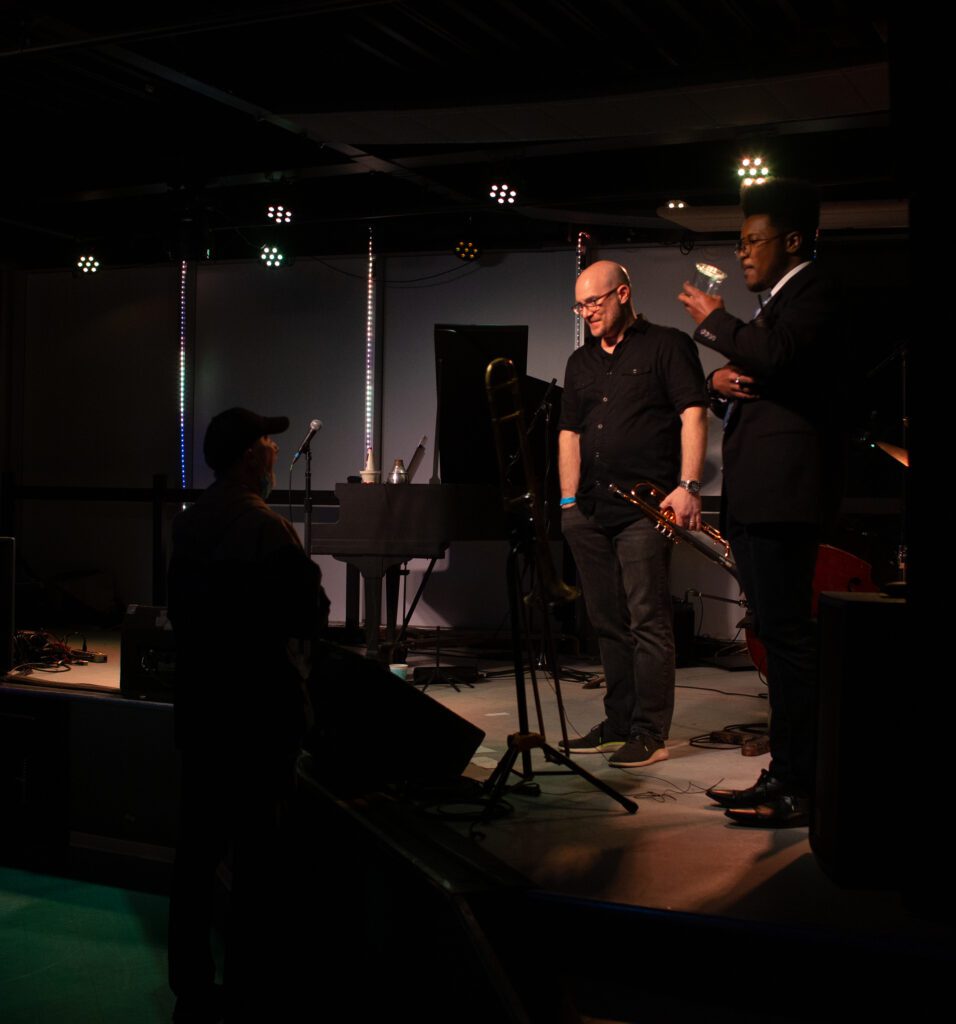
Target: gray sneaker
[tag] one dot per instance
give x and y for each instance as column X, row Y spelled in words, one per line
column 637, row 752
column 596, row 741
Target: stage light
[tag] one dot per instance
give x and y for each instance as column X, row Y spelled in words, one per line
column 87, row 264
column 753, row 170
column 502, row 194
column 676, row 204
column 467, row 250
column 279, row 214
column 271, row 256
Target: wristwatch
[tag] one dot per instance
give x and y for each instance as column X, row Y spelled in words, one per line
column 693, row 486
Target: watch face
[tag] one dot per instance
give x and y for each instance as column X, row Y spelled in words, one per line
column 691, row 485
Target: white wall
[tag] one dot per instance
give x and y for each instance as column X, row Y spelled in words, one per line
column 101, row 384
column 536, row 289
column 286, row 343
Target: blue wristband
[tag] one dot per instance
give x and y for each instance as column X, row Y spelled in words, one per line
column 568, row 501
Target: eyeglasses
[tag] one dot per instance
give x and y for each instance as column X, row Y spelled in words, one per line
column 591, row 303
column 746, row 244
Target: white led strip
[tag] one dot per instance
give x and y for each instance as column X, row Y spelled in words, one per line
column 583, row 239
column 183, row 270
column 369, row 346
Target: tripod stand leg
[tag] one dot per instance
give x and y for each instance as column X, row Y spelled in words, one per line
column 498, row 781
column 495, row 783
column 551, row 656
column 557, row 756
column 517, row 652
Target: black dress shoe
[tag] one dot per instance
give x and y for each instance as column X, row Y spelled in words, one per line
column 765, row 789
column 787, row 811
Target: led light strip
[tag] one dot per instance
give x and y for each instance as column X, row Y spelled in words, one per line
column 369, row 346
column 583, row 240
column 183, row 271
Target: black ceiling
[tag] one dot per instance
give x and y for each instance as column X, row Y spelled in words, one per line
column 155, row 135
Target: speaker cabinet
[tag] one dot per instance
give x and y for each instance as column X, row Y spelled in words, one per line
column 865, row 714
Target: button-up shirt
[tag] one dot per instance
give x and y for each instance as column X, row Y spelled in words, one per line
column 625, row 406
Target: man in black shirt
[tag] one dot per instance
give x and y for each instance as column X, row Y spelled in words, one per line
column 634, row 410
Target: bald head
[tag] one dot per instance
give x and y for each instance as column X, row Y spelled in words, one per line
column 601, row 277
column 604, row 289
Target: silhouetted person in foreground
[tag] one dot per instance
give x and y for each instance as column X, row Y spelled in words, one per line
column 245, row 601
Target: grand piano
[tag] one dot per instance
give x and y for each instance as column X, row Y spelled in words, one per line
column 382, row 526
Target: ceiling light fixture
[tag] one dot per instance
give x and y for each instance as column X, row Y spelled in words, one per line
column 87, row 264
column 279, row 214
column 467, row 250
column 271, row 256
column 753, row 170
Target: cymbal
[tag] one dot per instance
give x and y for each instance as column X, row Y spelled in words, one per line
column 895, row 452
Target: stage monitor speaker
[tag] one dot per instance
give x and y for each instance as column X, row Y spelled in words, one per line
column 863, row 668
column 7, row 587
column 373, row 728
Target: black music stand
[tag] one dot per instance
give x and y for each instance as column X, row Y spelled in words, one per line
column 528, row 544
column 521, row 743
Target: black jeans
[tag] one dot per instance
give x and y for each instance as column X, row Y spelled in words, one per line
column 233, row 799
column 776, row 563
column 625, row 577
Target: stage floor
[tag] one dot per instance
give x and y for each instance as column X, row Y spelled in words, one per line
column 678, row 852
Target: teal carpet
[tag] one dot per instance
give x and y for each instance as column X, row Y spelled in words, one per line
column 83, row 953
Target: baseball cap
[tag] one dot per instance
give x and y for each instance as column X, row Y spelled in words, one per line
column 231, row 432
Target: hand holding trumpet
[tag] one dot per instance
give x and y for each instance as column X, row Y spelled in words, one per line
column 684, row 506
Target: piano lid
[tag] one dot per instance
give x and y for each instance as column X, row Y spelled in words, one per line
column 417, row 518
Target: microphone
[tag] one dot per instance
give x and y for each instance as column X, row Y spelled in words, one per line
column 314, row 427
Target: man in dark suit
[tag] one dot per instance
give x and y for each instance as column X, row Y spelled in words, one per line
column 778, row 399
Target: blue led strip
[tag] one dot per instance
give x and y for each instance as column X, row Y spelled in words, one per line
column 183, row 271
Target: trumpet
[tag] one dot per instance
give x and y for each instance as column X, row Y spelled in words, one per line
column 647, row 498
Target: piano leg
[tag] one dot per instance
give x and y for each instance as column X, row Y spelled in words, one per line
column 374, row 569
column 393, row 575
column 352, row 579
column 373, row 613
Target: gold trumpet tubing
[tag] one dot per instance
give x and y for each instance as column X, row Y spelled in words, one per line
column 666, row 524
column 716, row 536
column 667, row 515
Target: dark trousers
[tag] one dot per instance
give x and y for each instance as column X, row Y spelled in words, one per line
column 232, row 801
column 625, row 577
column 776, row 563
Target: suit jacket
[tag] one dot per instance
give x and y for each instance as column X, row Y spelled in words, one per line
column 783, row 451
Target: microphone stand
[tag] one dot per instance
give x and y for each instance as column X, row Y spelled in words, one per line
column 306, row 449
column 307, row 503
column 435, row 478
